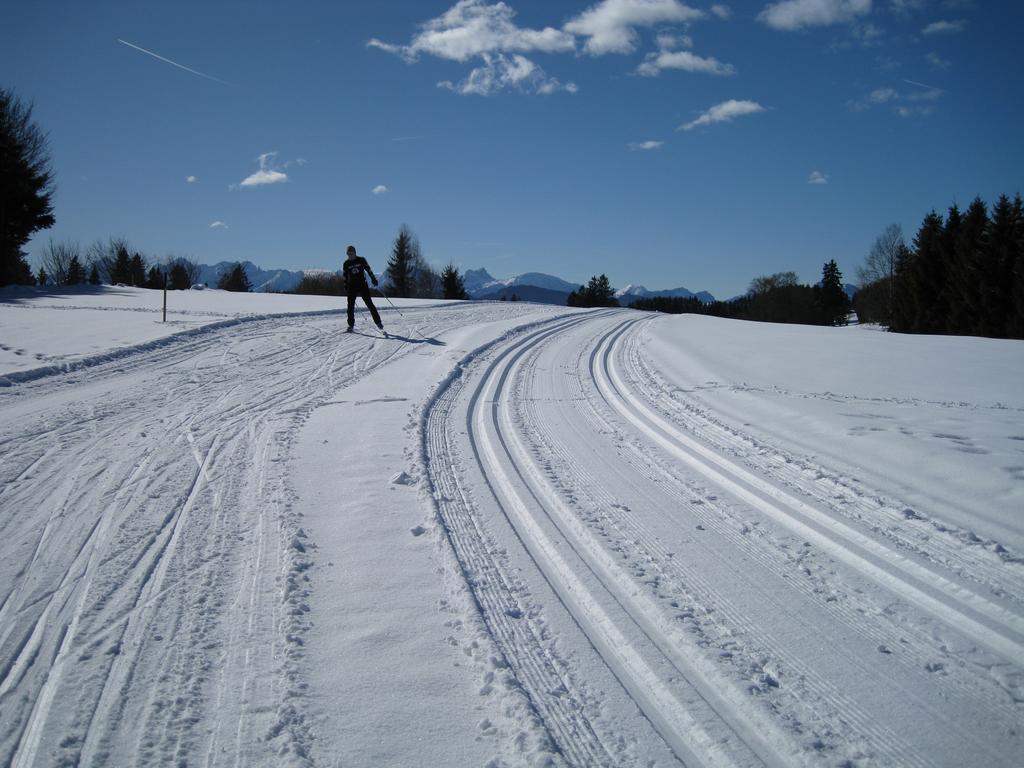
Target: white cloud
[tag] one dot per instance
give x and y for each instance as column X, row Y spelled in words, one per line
column 797, row 14
column 218, row 225
column 725, row 112
column 817, row 177
column 609, row 26
column 868, row 34
column 192, row 179
column 474, row 28
column 500, row 72
column 262, row 178
column 380, row 189
column 906, row 7
column 644, row 145
column 915, row 103
column 721, row 11
column 874, row 99
column 937, row 61
column 684, row 60
column 266, row 174
column 944, row 27
column 669, row 42
column 910, row 110
column 471, row 28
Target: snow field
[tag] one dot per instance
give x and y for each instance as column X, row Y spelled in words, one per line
column 511, row 535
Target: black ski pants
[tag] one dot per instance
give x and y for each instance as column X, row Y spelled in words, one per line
column 364, row 292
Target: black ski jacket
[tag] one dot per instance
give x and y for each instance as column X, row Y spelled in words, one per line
column 354, row 271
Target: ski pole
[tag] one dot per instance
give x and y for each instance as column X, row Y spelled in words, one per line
column 390, row 302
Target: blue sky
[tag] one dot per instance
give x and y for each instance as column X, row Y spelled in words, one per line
column 660, row 142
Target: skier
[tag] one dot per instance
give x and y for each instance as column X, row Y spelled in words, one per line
column 354, row 271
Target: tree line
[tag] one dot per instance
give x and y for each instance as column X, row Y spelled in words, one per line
column 407, row 275
column 113, row 262
column 775, row 298
column 963, row 274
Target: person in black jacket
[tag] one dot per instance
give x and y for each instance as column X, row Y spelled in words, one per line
column 354, row 270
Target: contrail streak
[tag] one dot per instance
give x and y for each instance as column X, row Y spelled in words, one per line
column 922, row 85
column 174, row 63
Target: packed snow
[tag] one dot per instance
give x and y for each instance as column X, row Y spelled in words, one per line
column 506, row 534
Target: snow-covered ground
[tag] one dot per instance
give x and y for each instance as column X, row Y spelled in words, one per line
column 511, row 534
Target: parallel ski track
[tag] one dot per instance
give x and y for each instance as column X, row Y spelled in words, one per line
column 973, row 614
column 809, row 703
column 990, row 566
column 806, row 571
column 678, row 698
column 692, row 616
column 73, row 613
column 503, row 605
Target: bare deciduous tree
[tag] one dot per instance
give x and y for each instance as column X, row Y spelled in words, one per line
column 56, row 260
column 103, row 256
column 880, row 263
column 767, row 283
column 879, row 271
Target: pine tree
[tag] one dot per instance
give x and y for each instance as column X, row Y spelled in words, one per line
column 945, row 297
column 401, row 266
column 154, row 278
column 997, row 280
column 76, row 272
column 137, row 271
column 597, row 293
column 452, row 285
column 26, row 187
column 600, row 292
column 966, row 250
column 1016, row 320
column 919, row 280
column 94, row 276
column 835, row 305
column 42, row 277
column 179, row 278
column 235, row 280
column 121, row 270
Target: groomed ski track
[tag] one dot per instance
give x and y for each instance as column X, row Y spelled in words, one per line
column 155, row 571
column 651, row 584
column 748, row 619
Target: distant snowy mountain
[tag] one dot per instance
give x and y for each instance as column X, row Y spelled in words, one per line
column 525, row 293
column 475, row 279
column 631, row 293
column 479, row 282
column 262, row 280
column 481, row 285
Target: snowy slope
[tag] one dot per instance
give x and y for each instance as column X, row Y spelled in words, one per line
column 509, row 535
column 54, row 328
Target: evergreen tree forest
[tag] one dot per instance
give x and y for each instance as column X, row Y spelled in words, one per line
column 963, row 275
